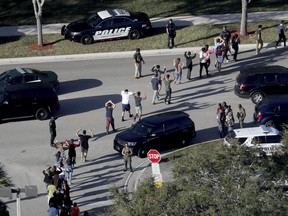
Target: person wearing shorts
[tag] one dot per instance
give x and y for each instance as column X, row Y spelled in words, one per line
column 138, row 105
column 84, row 143
column 125, row 103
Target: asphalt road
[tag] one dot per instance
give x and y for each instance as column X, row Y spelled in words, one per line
column 85, row 87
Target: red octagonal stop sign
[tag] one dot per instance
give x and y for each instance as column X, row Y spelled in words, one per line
column 154, row 156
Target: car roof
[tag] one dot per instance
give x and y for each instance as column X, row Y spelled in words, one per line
column 271, row 99
column 263, row 69
column 262, row 130
column 161, row 117
column 112, row 13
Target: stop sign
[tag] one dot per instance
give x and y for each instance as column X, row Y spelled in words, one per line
column 154, row 156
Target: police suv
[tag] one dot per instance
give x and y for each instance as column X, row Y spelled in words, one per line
column 108, row 24
column 266, row 139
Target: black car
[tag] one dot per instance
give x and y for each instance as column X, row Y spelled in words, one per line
column 258, row 82
column 108, row 24
column 272, row 111
column 28, row 101
column 22, row 76
column 158, row 131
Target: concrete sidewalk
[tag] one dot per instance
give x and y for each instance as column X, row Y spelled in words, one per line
column 157, row 22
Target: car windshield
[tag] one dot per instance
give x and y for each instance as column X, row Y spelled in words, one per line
column 3, row 75
column 93, row 20
column 142, row 129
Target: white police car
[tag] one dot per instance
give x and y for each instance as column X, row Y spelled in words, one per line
column 265, row 138
column 108, row 24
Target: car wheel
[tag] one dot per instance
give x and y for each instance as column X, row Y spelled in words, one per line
column 134, row 34
column 86, row 39
column 257, row 97
column 142, row 153
column 270, row 124
column 41, row 114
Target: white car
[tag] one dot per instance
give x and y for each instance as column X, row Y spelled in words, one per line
column 268, row 139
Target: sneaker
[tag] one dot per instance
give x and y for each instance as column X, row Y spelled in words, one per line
column 131, row 170
column 130, row 115
column 107, row 132
column 124, row 170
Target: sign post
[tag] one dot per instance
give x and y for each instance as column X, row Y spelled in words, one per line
column 154, row 157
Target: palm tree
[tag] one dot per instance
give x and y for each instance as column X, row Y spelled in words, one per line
column 5, row 181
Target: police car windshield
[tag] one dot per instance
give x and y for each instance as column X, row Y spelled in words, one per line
column 93, row 20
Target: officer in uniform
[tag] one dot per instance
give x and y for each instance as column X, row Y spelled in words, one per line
column 171, row 32
column 138, row 63
column 241, row 115
column 52, row 129
column 127, row 154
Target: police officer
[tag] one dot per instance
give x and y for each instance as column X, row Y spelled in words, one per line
column 127, row 154
column 52, row 129
column 171, row 32
column 138, row 63
column 241, row 114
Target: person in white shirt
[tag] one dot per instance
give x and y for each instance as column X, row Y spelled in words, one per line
column 125, row 103
column 203, row 62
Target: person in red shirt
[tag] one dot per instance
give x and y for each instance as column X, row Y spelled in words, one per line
column 75, row 211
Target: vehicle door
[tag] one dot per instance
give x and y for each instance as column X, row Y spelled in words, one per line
column 121, row 26
column 104, row 30
column 270, row 84
column 282, row 115
column 28, row 102
column 10, row 105
column 268, row 144
column 171, row 135
column 282, row 82
column 156, row 137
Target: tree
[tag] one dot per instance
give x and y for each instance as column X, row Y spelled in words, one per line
column 243, row 28
column 214, row 180
column 5, row 181
column 38, row 4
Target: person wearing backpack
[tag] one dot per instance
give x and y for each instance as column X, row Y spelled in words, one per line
column 219, row 43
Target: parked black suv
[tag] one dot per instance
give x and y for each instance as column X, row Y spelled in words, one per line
column 272, row 111
column 258, row 82
column 159, row 131
column 28, row 101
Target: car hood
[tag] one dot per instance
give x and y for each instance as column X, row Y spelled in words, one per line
column 78, row 26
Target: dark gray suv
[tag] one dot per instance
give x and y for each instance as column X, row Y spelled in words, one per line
column 28, row 101
column 258, row 82
column 159, row 131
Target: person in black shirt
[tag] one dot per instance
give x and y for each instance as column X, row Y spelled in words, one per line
column 84, row 143
column 138, row 105
column 109, row 106
column 171, row 32
column 52, row 129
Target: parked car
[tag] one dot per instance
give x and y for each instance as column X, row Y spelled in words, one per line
column 267, row 139
column 258, row 82
column 28, row 101
column 158, row 131
column 272, row 111
column 22, row 76
column 108, row 24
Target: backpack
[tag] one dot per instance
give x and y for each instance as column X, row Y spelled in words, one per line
column 219, row 51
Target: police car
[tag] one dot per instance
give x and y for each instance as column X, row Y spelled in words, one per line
column 108, row 24
column 266, row 139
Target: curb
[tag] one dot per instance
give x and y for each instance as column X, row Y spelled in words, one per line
column 108, row 55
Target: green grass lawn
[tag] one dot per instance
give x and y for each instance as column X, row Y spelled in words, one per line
column 192, row 36
column 19, row 12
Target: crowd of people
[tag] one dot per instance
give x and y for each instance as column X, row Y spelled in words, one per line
column 226, row 120
column 58, row 177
